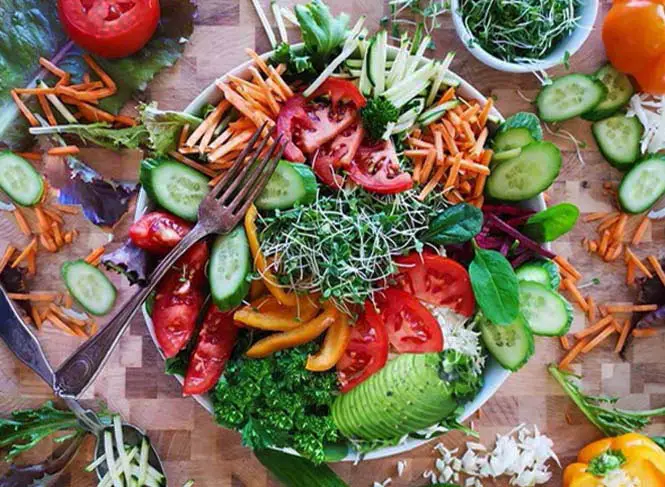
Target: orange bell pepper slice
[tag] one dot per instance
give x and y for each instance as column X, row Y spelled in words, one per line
column 267, row 313
column 334, row 345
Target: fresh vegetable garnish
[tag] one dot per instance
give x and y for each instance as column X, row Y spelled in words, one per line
column 377, row 169
column 454, row 225
column 377, row 115
column 552, row 223
column 158, row 232
column 528, row 31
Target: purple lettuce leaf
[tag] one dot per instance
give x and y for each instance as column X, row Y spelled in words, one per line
column 132, row 262
column 524, row 241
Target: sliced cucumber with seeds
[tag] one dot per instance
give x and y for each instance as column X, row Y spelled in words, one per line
column 89, row 287
column 618, row 138
column 569, row 96
column 643, row 185
column 513, row 139
column 174, row 186
column 619, row 91
column 291, row 183
column 542, row 271
column 545, row 311
column 526, row 175
column 511, row 345
column 230, row 264
column 22, row 183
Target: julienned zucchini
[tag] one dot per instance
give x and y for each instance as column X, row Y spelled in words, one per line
column 174, row 186
column 230, row 264
column 511, row 345
column 545, row 311
column 291, row 183
column 569, row 96
column 89, row 287
column 643, row 185
column 22, row 183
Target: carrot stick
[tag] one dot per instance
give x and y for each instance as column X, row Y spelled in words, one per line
column 193, row 164
column 125, row 120
column 94, row 255
column 6, row 257
column 620, row 227
column 47, row 297
column 428, row 165
column 594, row 328
column 32, row 262
column 604, row 242
column 644, row 332
column 630, row 273
column 597, row 340
column 93, row 114
column 573, row 353
column 69, row 209
column 641, row 230
column 631, row 308
column 592, row 217
column 31, row 246
column 623, row 336
column 42, row 220
column 34, row 312
column 22, row 222
column 24, row 109
column 58, row 323
column 614, row 252
column 638, row 263
column 447, row 96
column 46, row 108
column 30, row 156
column 64, row 316
column 482, row 118
column 64, row 151
column 47, row 242
column 579, row 299
column 563, row 263
column 565, row 344
column 591, row 312
column 432, row 183
column 106, row 79
column 53, row 215
column 49, row 66
column 57, row 234
column 657, row 268
column 454, row 171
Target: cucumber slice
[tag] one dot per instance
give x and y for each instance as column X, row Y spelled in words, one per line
column 289, row 185
column 619, row 91
column 376, row 62
column 545, row 311
column 569, row 96
column 513, row 139
column 22, row 183
column 511, row 345
column 506, row 154
column 174, row 186
column 89, row 287
column 433, row 114
column 643, row 185
column 526, row 175
column 542, row 271
column 230, row 264
column 618, row 138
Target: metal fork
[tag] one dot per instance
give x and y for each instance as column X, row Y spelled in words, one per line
column 220, row 211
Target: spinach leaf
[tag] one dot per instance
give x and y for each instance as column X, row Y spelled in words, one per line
column 550, row 224
column 454, row 225
column 495, row 286
column 524, row 120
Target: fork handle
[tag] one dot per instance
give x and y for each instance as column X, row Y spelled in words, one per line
column 78, row 372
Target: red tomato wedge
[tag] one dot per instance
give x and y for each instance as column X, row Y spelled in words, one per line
column 376, row 168
column 437, row 280
column 327, row 122
column 336, row 154
column 110, row 28
column 213, row 348
column 367, row 351
column 158, row 232
column 340, row 90
column 411, row 327
column 292, row 116
column 179, row 299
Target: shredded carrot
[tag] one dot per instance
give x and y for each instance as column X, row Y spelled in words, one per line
column 484, row 115
column 93, row 327
column 577, row 296
column 447, row 96
column 30, row 156
column 48, row 297
column 620, row 227
column 432, row 183
column 69, row 209
column 58, row 323
column 598, row 339
column 32, row 262
column 565, row 344
column 641, row 230
column 24, row 109
column 638, row 263
column 592, row 217
column 485, row 160
column 563, row 263
column 623, row 336
column 24, row 254
column 87, row 85
column 93, row 114
column 193, row 164
column 34, row 312
column 6, row 257
column 47, row 242
column 64, row 151
column 614, row 252
column 94, row 255
column 49, row 66
column 438, row 144
column 53, row 215
column 42, row 220
column 653, row 260
column 57, row 234
column 428, row 165
column 631, row 308
column 106, row 79
column 454, row 171
column 573, row 353
column 22, row 222
column 644, row 332
column 211, row 119
column 595, row 327
column 630, row 273
column 604, row 242
column 591, row 312
column 46, row 108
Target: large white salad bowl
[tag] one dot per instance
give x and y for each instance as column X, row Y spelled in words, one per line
column 494, row 375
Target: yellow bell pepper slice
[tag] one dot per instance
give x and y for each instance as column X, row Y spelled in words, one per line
column 287, row 299
column 267, row 313
column 334, row 345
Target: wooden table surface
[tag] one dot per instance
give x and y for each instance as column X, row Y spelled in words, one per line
column 190, row 443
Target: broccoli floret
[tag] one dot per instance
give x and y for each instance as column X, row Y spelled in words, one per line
column 376, row 116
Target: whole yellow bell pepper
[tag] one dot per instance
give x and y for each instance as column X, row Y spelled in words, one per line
column 631, row 459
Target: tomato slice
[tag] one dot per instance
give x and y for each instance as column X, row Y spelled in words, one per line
column 411, row 327
column 367, row 351
column 376, row 168
column 339, row 89
column 158, row 232
column 179, row 299
column 437, row 280
column 291, row 117
column 110, row 28
column 327, row 122
column 213, row 348
column 338, row 153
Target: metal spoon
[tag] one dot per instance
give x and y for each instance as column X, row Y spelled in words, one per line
column 23, row 343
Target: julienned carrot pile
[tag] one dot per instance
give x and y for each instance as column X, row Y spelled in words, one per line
column 450, row 152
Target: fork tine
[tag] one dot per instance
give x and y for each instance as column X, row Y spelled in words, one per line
column 247, row 174
column 262, row 179
column 238, row 163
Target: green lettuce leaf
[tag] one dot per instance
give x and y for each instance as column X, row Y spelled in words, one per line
column 100, row 134
column 164, row 127
column 322, row 33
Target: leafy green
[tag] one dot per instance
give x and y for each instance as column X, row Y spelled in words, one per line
column 296, row 61
column 495, row 286
column 164, row 127
column 550, row 224
column 322, row 33
column 25, row 428
column 525, row 120
column 101, row 134
column 459, row 371
column 295, row 471
column 611, row 421
column 275, row 401
column 606, row 462
column 376, row 116
column 343, row 244
column 454, row 225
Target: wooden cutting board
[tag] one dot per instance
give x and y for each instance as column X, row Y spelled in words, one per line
column 186, row 436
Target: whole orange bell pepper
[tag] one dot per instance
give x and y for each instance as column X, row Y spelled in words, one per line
column 630, row 459
column 634, row 38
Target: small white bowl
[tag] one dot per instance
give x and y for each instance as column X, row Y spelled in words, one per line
column 572, row 43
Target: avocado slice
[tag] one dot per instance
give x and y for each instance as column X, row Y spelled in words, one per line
column 407, row 395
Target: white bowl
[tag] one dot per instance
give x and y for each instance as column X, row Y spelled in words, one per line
column 570, row 44
column 494, row 375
